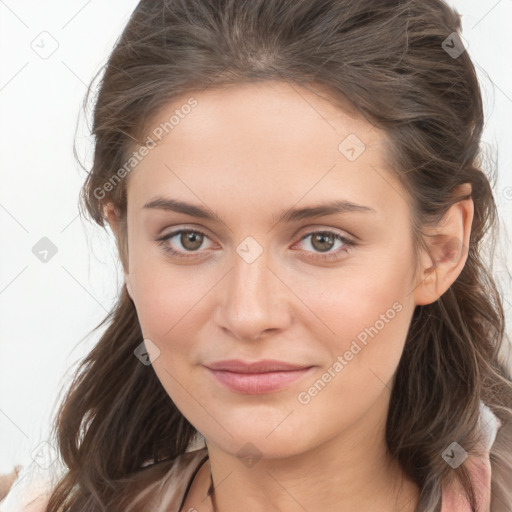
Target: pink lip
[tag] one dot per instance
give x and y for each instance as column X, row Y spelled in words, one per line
column 256, row 378
column 262, row 366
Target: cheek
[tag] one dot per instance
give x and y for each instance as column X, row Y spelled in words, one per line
column 370, row 309
column 170, row 312
column 370, row 325
column 170, row 301
column 363, row 316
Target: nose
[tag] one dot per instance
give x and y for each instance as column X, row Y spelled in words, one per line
column 252, row 300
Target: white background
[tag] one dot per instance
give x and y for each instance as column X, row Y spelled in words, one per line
column 48, row 309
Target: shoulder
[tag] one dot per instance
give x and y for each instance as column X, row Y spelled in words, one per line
column 31, row 490
column 6, row 481
column 163, row 485
column 182, row 471
column 479, row 468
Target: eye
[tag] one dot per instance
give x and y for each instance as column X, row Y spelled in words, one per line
column 323, row 241
column 190, row 239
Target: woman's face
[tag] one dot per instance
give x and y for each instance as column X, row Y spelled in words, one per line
column 332, row 292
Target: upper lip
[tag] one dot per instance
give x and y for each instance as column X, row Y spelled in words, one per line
column 262, row 366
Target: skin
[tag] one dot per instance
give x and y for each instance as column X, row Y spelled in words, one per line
column 247, row 152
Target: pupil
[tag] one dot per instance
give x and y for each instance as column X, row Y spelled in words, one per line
column 187, row 238
column 322, row 237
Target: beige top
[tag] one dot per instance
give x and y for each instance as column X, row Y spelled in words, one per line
column 31, row 492
column 175, row 487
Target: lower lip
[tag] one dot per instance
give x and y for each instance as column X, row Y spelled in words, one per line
column 258, row 383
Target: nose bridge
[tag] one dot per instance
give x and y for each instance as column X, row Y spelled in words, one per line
column 251, row 280
column 251, row 277
column 252, row 300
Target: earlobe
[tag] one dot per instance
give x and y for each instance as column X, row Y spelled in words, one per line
column 448, row 246
column 426, row 291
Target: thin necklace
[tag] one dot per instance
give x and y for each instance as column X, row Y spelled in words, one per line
column 209, row 493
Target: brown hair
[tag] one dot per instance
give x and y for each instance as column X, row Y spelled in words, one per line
column 389, row 60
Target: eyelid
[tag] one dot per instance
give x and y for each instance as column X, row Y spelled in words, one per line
column 321, row 228
column 184, row 227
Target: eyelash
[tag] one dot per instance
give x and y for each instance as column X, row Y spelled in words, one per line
column 348, row 244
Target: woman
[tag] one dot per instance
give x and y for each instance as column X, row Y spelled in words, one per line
column 297, row 198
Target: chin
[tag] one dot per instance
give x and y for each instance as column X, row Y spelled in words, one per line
column 253, row 447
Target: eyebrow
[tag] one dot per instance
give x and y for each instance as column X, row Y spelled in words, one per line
column 289, row 215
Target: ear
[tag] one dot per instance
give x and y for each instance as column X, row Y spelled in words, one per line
column 448, row 245
column 112, row 215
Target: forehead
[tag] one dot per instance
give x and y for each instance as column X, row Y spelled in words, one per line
column 251, row 110
column 265, row 141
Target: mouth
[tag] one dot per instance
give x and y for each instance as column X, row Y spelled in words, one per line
column 262, row 366
column 254, row 383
